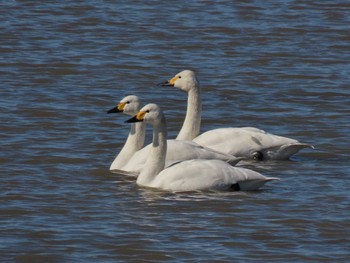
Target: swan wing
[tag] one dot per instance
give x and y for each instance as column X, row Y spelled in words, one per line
column 207, row 175
column 247, row 140
column 188, row 150
column 178, row 151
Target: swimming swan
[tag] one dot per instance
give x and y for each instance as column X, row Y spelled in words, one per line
column 190, row 175
column 246, row 141
column 129, row 105
column 133, row 157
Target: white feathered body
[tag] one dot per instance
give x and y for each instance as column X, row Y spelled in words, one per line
column 244, row 141
column 207, row 175
column 235, row 141
column 177, row 151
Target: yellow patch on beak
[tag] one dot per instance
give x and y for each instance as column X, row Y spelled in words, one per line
column 121, row 106
column 172, row 81
column 140, row 115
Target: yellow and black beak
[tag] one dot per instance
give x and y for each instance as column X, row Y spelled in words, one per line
column 118, row 108
column 170, row 82
column 137, row 118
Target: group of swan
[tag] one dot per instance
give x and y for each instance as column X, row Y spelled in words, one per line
column 132, row 157
column 193, row 162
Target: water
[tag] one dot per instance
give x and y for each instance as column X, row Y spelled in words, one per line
column 282, row 66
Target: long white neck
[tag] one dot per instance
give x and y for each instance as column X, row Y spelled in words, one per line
column 156, row 158
column 134, row 142
column 192, row 124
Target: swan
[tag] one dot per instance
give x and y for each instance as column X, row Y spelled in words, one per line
column 129, row 105
column 133, row 157
column 189, row 175
column 244, row 141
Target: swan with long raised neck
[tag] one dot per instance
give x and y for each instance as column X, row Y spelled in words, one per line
column 133, row 157
column 129, row 105
column 190, row 175
column 244, row 141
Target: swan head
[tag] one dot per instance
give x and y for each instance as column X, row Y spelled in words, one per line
column 184, row 80
column 129, row 105
column 151, row 113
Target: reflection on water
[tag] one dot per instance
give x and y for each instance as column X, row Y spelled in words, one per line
column 280, row 66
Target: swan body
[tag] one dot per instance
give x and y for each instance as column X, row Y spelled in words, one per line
column 178, row 151
column 246, row 142
column 129, row 105
column 200, row 174
column 189, row 175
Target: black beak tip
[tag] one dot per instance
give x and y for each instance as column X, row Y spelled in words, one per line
column 132, row 120
column 165, row 84
column 114, row 110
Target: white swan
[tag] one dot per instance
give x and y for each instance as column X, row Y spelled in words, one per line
column 246, row 141
column 129, row 105
column 133, row 157
column 188, row 175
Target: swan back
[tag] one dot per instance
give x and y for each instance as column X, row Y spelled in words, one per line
column 199, row 174
column 245, row 141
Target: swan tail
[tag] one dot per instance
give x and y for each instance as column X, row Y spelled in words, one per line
column 250, row 185
column 286, row 151
column 268, row 179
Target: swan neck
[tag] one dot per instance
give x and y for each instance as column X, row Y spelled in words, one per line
column 134, row 142
column 191, row 126
column 156, row 159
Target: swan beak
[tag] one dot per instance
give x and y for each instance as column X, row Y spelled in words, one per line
column 170, row 82
column 137, row 118
column 165, row 84
column 118, row 108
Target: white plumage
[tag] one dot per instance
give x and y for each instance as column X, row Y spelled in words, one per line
column 245, row 142
column 188, row 175
column 133, row 155
column 178, row 151
column 129, row 105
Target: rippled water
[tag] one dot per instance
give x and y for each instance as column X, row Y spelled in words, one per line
column 282, row 66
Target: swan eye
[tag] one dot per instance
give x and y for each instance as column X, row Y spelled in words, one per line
column 179, row 77
column 147, row 111
column 128, row 102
